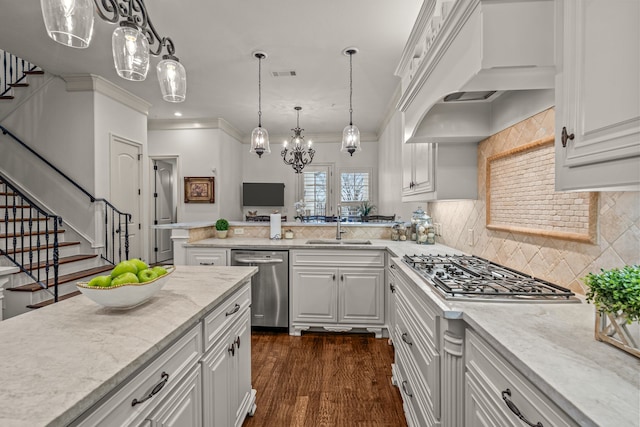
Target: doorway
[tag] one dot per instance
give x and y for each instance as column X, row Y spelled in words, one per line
column 164, row 206
column 124, row 181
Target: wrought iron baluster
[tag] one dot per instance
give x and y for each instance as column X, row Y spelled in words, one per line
column 55, row 257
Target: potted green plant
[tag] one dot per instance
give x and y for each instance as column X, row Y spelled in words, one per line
column 222, row 228
column 366, row 208
column 616, row 295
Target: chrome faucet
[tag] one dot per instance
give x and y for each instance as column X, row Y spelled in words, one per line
column 339, row 232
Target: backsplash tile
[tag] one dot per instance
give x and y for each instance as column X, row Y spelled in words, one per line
column 562, row 262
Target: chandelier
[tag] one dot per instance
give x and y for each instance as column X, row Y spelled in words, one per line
column 260, row 136
column 350, row 134
column 298, row 156
column 70, row 22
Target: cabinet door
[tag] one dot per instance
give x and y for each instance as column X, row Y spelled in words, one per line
column 207, row 256
column 597, row 95
column 314, row 293
column 184, row 407
column 361, row 296
column 407, row 168
column 241, row 369
column 423, row 158
column 216, row 375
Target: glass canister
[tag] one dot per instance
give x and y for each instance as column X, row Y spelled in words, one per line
column 418, row 216
column 425, row 231
column 399, row 232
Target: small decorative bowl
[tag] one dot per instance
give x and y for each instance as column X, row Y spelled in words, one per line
column 128, row 295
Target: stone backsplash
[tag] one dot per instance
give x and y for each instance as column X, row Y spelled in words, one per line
column 559, row 261
column 299, row 232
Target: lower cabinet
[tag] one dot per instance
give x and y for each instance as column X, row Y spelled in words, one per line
column 498, row 394
column 337, row 291
column 202, row 379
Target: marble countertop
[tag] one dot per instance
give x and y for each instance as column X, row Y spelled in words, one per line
column 201, row 224
column 552, row 344
column 56, row 362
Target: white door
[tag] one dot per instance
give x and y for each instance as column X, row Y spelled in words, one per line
column 125, row 191
column 164, row 209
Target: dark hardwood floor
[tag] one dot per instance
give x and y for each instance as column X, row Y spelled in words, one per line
column 323, row 379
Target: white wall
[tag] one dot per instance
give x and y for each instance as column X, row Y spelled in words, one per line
column 271, row 168
column 199, row 152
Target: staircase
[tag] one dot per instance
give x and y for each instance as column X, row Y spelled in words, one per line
column 30, row 239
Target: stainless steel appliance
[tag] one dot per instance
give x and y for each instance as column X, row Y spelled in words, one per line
column 470, row 278
column 269, row 287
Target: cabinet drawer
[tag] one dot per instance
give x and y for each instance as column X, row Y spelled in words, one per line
column 424, row 314
column 222, row 316
column 492, row 374
column 338, row 258
column 176, row 361
column 207, row 256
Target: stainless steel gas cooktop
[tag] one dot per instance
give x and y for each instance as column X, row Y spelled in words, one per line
column 467, row 277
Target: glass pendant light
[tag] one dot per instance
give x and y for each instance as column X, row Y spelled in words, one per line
column 130, row 51
column 260, row 136
column 69, row 22
column 173, row 79
column 350, row 134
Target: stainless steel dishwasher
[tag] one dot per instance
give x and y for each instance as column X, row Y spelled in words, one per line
column 269, row 287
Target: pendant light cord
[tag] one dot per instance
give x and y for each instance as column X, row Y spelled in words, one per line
column 260, row 91
column 350, row 88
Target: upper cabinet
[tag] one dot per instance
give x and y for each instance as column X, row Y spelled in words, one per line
column 598, row 95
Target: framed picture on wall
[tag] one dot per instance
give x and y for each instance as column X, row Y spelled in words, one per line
column 199, row 189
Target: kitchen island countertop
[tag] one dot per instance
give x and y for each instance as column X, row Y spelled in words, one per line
column 58, row 361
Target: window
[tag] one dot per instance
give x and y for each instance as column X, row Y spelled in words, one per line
column 315, row 185
column 355, row 188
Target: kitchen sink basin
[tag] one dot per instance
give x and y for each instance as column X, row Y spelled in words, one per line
column 338, row 242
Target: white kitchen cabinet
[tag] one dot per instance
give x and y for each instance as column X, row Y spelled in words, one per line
column 227, row 393
column 184, row 408
column 416, row 338
column 495, row 392
column 439, row 171
column 337, row 290
column 598, row 95
column 207, row 256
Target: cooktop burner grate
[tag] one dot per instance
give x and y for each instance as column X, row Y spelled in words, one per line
column 468, row 276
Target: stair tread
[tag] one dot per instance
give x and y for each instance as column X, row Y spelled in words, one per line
column 63, row 260
column 34, row 72
column 71, row 277
column 50, row 301
column 7, row 97
column 18, row 85
column 50, row 246
column 36, row 233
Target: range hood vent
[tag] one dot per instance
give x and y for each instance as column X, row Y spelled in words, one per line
column 469, row 96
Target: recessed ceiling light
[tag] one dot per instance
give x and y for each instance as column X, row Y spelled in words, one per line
column 177, row 114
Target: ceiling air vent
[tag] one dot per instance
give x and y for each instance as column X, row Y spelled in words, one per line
column 283, row 73
column 469, row 96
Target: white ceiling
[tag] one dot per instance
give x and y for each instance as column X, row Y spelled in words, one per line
column 215, row 39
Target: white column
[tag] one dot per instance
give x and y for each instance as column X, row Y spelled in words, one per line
column 5, row 276
column 179, row 236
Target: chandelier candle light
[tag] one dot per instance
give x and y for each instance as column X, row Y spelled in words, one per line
column 350, row 134
column 298, row 156
column 260, row 136
column 70, row 22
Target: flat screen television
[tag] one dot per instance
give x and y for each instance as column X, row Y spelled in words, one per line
column 263, row 194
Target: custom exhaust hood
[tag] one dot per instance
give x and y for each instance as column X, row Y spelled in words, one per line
column 464, row 55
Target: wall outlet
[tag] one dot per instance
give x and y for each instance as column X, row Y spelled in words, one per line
column 238, row 231
column 470, row 237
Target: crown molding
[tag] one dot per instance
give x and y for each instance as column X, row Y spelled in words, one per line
column 91, row 82
column 202, row 123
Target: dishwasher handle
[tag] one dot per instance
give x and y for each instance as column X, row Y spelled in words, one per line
column 258, row 260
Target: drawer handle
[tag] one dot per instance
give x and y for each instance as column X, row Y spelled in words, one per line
column 237, row 342
column 405, row 339
column 154, row 391
column 207, row 263
column 232, row 349
column 234, row 310
column 505, row 396
column 404, row 388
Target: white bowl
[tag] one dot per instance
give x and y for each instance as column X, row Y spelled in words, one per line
column 128, row 295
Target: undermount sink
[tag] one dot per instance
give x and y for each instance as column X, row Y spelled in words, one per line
column 337, row 242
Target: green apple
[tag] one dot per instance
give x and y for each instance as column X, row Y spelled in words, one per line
column 127, row 277
column 160, row 271
column 146, row 275
column 140, row 265
column 124, row 267
column 100, row 281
